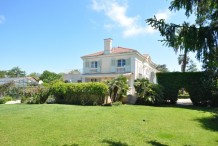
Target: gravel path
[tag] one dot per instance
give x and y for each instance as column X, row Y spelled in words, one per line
column 13, row 102
column 184, row 102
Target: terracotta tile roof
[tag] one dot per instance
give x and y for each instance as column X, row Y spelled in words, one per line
column 116, row 50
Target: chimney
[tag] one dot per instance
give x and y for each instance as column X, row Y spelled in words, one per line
column 107, row 46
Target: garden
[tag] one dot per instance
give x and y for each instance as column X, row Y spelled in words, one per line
column 77, row 114
column 121, row 125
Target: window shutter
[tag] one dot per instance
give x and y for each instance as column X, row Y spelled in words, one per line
column 87, row 64
column 99, row 63
column 128, row 61
column 113, row 62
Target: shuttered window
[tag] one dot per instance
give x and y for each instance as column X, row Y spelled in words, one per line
column 94, row 64
column 121, row 63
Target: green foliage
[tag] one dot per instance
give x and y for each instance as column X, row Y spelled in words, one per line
column 215, row 113
column 200, row 37
column 162, row 68
column 117, row 103
column 5, row 87
column 34, row 75
column 154, row 95
column 3, row 74
column 193, row 82
column 5, row 99
column 16, row 72
column 141, row 87
column 148, row 93
column 48, row 77
column 50, row 100
column 118, row 88
column 192, row 67
column 183, row 94
column 35, row 95
column 79, row 93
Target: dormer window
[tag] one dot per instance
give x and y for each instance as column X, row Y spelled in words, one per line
column 121, row 63
column 94, row 64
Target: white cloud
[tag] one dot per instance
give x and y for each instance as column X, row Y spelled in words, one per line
column 117, row 13
column 2, row 19
column 160, row 15
column 163, row 15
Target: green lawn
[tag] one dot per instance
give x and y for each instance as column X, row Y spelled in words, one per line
column 25, row 125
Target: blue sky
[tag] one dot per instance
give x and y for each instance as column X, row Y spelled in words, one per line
column 39, row 35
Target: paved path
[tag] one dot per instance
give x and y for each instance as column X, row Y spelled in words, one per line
column 184, row 102
column 13, row 102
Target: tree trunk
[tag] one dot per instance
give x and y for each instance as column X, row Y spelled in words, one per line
column 184, row 60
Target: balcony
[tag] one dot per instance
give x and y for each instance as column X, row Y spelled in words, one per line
column 120, row 69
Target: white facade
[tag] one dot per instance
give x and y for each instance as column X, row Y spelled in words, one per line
column 112, row 62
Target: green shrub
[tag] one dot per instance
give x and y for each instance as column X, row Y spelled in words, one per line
column 193, row 82
column 35, row 95
column 79, row 93
column 117, row 103
column 215, row 113
column 148, row 93
column 118, row 88
column 154, row 95
column 5, row 99
column 50, row 100
column 2, row 101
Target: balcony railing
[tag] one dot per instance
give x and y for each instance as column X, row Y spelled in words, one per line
column 120, row 69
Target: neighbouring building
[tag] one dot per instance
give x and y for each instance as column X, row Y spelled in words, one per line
column 115, row 61
column 19, row 81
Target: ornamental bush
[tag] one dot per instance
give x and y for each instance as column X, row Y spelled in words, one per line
column 5, row 99
column 35, row 95
column 79, row 93
column 148, row 93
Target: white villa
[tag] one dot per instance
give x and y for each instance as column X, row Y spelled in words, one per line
column 115, row 61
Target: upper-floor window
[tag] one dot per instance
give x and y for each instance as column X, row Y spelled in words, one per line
column 94, row 64
column 121, row 63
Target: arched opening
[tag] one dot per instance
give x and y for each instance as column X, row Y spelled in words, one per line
column 183, row 97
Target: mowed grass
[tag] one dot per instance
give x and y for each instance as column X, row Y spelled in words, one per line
column 69, row 125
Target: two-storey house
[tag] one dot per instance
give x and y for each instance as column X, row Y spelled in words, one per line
column 114, row 61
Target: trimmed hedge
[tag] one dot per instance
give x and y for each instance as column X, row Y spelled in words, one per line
column 191, row 81
column 79, row 93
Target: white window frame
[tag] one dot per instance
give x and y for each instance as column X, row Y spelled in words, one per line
column 121, row 63
column 94, row 64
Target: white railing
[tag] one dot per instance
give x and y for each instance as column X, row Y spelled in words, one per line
column 120, row 69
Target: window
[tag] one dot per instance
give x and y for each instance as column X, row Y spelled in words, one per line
column 121, row 63
column 94, row 64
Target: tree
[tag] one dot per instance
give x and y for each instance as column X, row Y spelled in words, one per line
column 200, row 37
column 192, row 67
column 183, row 60
column 48, row 77
column 162, row 68
column 3, row 74
column 148, row 93
column 74, row 71
column 118, row 88
column 16, row 72
column 34, row 75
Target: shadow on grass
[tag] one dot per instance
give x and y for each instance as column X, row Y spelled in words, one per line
column 190, row 107
column 209, row 123
column 156, row 143
column 114, row 143
column 74, row 144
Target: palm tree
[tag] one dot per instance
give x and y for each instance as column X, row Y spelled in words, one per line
column 183, row 60
column 118, row 88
